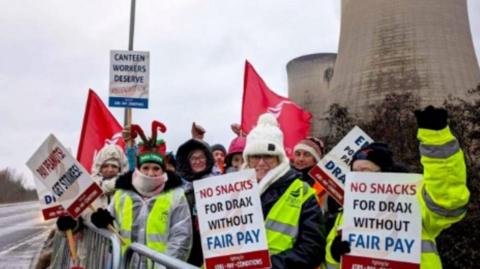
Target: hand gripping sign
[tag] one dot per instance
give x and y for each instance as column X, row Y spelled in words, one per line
column 231, row 221
column 63, row 176
column 330, row 171
column 382, row 220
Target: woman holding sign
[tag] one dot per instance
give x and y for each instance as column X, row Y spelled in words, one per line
column 293, row 220
column 443, row 195
column 149, row 205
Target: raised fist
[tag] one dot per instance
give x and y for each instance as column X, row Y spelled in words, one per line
column 432, row 118
column 197, row 131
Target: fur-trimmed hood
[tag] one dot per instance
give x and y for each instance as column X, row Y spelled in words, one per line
column 183, row 164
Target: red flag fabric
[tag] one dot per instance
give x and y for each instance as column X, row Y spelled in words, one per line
column 258, row 99
column 99, row 128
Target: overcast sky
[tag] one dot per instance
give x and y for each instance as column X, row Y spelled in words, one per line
column 54, row 51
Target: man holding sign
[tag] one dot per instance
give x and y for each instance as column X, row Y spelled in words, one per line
column 293, row 220
column 442, row 196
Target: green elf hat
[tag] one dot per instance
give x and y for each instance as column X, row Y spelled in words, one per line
column 150, row 150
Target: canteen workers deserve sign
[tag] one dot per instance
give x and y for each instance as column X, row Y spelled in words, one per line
column 49, row 205
column 331, row 170
column 129, row 78
column 63, row 176
column 231, row 221
column 382, row 221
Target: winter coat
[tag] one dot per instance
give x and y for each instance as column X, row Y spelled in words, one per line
column 310, row 242
column 106, row 153
column 236, row 146
column 180, row 224
column 443, row 194
column 319, row 189
column 185, row 172
column 183, row 163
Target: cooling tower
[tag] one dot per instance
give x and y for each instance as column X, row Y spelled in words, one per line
column 424, row 47
column 309, row 79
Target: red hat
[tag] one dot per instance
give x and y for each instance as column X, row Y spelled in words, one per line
column 311, row 145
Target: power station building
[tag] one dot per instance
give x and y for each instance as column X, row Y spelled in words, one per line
column 309, row 80
column 423, row 47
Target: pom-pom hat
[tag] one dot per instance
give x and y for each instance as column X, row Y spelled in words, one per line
column 265, row 139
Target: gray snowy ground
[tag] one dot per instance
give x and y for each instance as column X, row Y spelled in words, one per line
column 22, row 232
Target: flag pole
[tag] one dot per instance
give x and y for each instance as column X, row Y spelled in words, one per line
column 128, row 111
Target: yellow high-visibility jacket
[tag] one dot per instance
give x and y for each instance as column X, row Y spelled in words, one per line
column 443, row 195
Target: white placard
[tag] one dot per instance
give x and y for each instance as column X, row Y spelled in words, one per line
column 48, row 203
column 231, row 221
column 129, row 78
column 382, row 220
column 63, row 176
column 332, row 169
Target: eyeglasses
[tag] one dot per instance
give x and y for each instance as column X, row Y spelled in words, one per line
column 198, row 159
column 264, row 157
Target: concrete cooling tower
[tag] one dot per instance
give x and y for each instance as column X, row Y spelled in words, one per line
column 424, row 47
column 309, row 79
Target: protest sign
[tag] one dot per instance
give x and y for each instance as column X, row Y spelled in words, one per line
column 331, row 170
column 382, row 221
column 63, row 176
column 231, row 221
column 48, row 203
column 129, row 78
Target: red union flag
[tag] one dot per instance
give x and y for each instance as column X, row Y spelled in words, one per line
column 99, row 128
column 258, row 99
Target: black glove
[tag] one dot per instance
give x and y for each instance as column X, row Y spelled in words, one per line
column 67, row 223
column 432, row 118
column 339, row 248
column 102, row 218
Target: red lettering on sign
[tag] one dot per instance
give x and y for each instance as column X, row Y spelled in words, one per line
column 53, row 160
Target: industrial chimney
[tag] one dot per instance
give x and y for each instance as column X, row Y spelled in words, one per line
column 309, row 79
column 424, row 47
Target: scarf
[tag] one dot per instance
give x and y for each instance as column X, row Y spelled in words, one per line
column 273, row 175
column 148, row 186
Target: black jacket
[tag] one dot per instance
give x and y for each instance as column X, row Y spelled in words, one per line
column 309, row 248
column 185, row 171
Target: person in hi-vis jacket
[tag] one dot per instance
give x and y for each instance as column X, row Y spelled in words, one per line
column 443, row 194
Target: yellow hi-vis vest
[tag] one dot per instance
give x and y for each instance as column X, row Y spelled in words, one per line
column 157, row 221
column 282, row 221
column 443, row 195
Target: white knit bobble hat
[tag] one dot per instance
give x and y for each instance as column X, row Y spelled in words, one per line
column 265, row 138
column 110, row 153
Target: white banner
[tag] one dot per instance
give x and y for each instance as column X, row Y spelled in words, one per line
column 332, row 169
column 129, row 78
column 382, row 220
column 63, row 176
column 231, row 221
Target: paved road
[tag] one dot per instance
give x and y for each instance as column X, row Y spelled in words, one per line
column 22, row 232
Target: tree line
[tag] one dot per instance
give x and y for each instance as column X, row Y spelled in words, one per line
column 13, row 188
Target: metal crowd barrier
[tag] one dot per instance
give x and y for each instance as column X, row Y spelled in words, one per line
column 98, row 248
column 136, row 252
